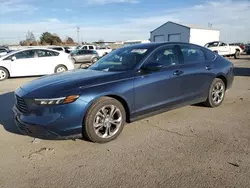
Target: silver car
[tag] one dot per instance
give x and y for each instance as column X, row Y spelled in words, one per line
column 82, row 56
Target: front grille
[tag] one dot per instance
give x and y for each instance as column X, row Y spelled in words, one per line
column 21, row 105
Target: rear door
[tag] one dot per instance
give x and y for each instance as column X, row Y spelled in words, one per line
column 197, row 73
column 47, row 61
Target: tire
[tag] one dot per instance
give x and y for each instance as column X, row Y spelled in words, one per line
column 4, row 74
column 96, row 127
column 94, row 60
column 60, row 68
column 216, row 93
column 216, row 52
column 237, row 55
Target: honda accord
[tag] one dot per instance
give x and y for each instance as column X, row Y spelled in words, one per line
column 128, row 84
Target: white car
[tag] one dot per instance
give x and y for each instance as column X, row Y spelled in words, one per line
column 34, row 61
column 224, row 49
column 102, row 51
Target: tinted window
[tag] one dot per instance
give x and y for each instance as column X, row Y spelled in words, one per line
column 212, row 44
column 46, row 53
column 165, row 56
column 84, row 48
column 91, row 47
column 223, row 44
column 209, row 55
column 192, row 54
column 24, row 54
column 58, row 49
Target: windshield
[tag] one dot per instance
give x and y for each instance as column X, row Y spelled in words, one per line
column 212, row 44
column 78, row 47
column 122, row 59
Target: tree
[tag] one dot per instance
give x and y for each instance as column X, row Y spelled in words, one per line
column 30, row 37
column 69, row 40
column 48, row 38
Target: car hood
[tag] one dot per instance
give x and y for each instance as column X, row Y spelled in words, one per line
column 56, row 85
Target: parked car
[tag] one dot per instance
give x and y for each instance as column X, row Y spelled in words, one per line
column 34, row 61
column 224, row 49
column 80, row 56
column 102, row 51
column 4, row 50
column 248, row 49
column 123, row 86
column 61, row 48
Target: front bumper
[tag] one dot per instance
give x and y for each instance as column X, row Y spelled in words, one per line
column 55, row 122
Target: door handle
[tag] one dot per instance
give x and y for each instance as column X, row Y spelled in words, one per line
column 178, row 73
column 208, row 67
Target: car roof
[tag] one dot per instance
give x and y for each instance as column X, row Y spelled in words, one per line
column 157, row 44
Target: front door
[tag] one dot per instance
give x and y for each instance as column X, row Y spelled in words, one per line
column 162, row 87
column 24, row 63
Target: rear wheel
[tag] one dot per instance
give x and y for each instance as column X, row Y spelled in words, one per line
column 4, row 74
column 60, row 68
column 216, row 93
column 104, row 120
column 237, row 54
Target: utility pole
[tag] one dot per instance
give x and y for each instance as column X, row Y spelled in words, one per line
column 78, row 29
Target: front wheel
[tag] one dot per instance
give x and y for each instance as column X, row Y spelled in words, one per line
column 216, row 93
column 104, row 120
column 94, row 60
column 4, row 74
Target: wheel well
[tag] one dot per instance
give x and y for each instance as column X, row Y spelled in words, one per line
column 237, row 50
column 59, row 66
column 5, row 69
column 125, row 105
column 223, row 78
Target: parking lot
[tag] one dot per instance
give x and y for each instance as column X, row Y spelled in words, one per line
column 191, row 147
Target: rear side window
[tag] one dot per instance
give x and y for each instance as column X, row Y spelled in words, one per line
column 91, row 47
column 210, row 56
column 46, row 53
column 192, row 54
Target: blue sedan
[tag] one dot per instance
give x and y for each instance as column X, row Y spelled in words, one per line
column 128, row 84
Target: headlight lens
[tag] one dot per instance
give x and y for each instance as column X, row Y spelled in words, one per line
column 56, row 101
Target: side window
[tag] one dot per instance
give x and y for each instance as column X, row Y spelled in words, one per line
column 210, row 56
column 58, row 49
column 46, row 53
column 84, row 48
column 91, row 47
column 192, row 54
column 25, row 54
column 166, row 56
column 223, row 44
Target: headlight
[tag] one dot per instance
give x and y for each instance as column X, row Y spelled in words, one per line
column 55, row 101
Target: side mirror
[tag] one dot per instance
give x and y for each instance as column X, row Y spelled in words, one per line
column 152, row 67
column 13, row 58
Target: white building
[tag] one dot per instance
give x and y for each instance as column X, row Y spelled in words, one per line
column 174, row 32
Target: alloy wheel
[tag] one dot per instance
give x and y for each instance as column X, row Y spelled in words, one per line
column 60, row 69
column 218, row 93
column 107, row 121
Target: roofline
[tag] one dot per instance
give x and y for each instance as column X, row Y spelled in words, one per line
column 183, row 26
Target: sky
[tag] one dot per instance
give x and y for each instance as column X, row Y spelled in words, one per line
column 117, row 20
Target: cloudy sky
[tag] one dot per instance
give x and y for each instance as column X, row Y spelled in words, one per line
column 114, row 20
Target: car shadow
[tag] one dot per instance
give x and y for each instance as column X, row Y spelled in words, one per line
column 241, row 71
column 6, row 115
